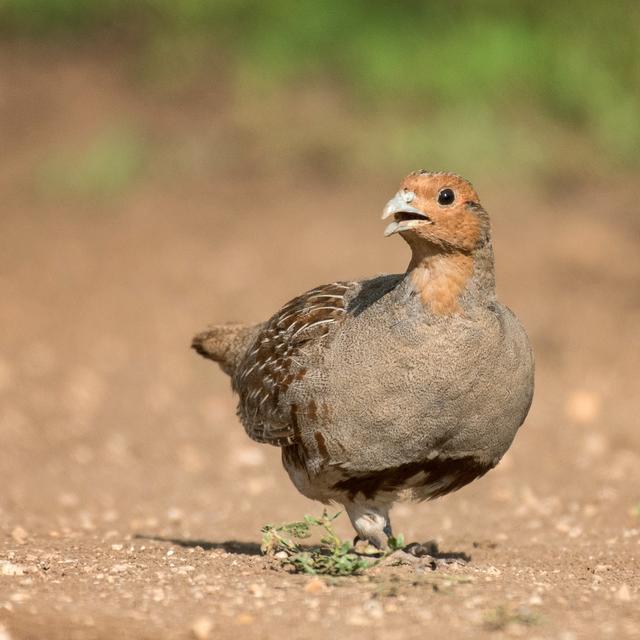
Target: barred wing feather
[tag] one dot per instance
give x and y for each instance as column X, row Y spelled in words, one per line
column 270, row 365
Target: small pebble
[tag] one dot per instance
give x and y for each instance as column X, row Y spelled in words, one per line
column 10, row 569
column 624, row 593
column 315, row 586
column 374, row 609
column 19, row 535
column 358, row 619
column 256, row 590
column 120, row 568
column 245, row 619
column 158, row 596
column 4, row 633
column 249, row 457
column 582, row 406
column 19, row 596
column 201, row 628
column 175, row 515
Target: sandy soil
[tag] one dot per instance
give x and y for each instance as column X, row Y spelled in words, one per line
column 132, row 501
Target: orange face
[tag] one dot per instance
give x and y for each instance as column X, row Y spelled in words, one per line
column 438, row 208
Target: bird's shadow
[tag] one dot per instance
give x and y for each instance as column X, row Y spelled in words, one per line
column 230, row 546
column 417, row 549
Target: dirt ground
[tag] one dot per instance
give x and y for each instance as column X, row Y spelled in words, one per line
column 132, row 501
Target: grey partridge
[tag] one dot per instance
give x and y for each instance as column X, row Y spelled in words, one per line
column 405, row 386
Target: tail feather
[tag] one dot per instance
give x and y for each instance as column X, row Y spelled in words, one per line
column 224, row 344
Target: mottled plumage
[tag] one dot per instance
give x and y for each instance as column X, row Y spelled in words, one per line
column 400, row 386
column 274, row 362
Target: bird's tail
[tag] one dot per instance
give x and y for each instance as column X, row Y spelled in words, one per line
column 224, row 344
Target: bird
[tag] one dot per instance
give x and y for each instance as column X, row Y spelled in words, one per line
column 397, row 387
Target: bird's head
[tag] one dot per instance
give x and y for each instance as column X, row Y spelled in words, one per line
column 441, row 210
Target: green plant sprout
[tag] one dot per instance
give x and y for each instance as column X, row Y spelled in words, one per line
column 333, row 556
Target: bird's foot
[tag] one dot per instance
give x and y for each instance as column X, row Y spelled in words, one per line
column 420, row 550
column 425, row 557
column 365, row 548
column 371, row 522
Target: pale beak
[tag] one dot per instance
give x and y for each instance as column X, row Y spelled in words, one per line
column 399, row 205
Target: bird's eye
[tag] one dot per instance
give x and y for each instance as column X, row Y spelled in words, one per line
column 446, row 196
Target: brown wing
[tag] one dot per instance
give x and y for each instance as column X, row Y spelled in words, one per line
column 273, row 362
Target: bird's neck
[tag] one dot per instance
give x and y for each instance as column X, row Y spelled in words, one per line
column 449, row 282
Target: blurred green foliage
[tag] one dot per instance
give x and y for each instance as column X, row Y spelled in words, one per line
column 103, row 168
column 481, row 74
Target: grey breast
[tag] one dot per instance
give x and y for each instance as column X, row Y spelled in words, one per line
column 399, row 389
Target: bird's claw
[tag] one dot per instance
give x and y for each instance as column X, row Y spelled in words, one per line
column 364, row 547
column 420, row 550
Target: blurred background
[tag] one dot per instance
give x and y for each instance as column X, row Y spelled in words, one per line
column 168, row 164
column 165, row 165
column 527, row 90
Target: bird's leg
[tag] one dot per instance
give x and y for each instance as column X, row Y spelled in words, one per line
column 371, row 522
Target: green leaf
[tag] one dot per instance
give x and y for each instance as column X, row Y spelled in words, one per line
column 396, row 542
